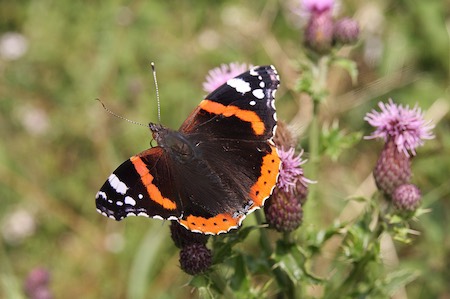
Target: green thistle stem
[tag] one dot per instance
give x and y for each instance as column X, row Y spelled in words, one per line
column 282, row 279
column 318, row 93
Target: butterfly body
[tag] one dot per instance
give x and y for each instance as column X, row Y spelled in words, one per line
column 218, row 167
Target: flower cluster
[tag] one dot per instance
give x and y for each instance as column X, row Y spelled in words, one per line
column 403, row 130
column 283, row 209
column 322, row 30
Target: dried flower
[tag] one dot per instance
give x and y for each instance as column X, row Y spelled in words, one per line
column 195, row 258
column 405, row 126
column 219, row 75
column 406, row 197
column 283, row 137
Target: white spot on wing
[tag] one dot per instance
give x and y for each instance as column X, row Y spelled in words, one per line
column 117, row 185
column 262, row 84
column 252, row 103
column 140, row 196
column 258, row 93
column 130, row 201
column 102, row 194
column 119, row 203
column 240, row 85
column 273, row 93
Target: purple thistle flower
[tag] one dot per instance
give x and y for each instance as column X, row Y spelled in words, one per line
column 305, row 8
column 291, row 171
column 405, row 126
column 219, row 75
column 317, row 6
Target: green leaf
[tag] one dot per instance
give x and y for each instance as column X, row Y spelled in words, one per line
column 239, row 280
column 222, row 245
column 334, row 141
column 199, row 281
column 399, row 278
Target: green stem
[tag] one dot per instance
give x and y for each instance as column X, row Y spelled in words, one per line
column 264, row 238
column 357, row 274
column 313, row 150
column 282, row 279
column 320, row 73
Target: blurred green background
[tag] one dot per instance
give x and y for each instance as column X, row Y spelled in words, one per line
column 58, row 145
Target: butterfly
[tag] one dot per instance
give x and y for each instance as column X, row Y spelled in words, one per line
column 218, row 167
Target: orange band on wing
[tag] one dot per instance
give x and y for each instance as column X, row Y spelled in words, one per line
column 147, row 180
column 214, row 225
column 267, row 180
column 227, row 111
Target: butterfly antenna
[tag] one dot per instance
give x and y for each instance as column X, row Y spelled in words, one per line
column 157, row 90
column 118, row 116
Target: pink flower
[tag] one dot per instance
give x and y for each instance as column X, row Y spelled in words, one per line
column 317, row 5
column 291, row 171
column 405, row 126
column 219, row 75
column 306, row 8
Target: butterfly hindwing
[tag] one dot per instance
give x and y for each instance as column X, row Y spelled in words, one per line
column 140, row 186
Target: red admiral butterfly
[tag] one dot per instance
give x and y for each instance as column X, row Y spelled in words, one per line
column 219, row 166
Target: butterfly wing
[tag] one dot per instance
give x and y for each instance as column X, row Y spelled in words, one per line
column 233, row 167
column 141, row 186
column 242, row 108
column 232, row 130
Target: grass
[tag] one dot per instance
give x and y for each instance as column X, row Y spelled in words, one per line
column 58, row 144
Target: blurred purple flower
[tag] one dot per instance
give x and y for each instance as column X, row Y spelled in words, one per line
column 305, row 8
column 37, row 284
column 317, row 6
column 219, row 75
column 405, row 126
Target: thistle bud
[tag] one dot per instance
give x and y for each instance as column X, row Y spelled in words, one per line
column 195, row 259
column 406, row 197
column 283, row 211
column 392, row 170
column 346, row 31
